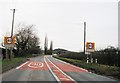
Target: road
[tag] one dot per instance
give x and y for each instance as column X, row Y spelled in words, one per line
column 48, row 69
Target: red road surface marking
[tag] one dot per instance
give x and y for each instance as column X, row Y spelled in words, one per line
column 59, row 73
column 77, row 69
column 34, row 66
column 69, row 68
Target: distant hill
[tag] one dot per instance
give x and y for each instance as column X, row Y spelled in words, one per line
column 60, row 51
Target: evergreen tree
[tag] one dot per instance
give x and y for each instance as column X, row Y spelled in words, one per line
column 46, row 45
column 51, row 47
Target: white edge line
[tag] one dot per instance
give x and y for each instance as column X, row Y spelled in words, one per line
column 71, row 64
column 63, row 72
column 22, row 65
column 52, row 71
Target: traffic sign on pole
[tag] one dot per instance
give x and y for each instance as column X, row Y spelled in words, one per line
column 90, row 46
column 9, row 40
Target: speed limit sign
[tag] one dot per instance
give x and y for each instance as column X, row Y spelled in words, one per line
column 90, row 46
column 9, row 40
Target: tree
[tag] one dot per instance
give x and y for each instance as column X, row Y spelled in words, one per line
column 25, row 39
column 46, row 45
column 51, row 48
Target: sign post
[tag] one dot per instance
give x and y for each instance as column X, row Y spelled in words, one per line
column 90, row 47
column 9, row 43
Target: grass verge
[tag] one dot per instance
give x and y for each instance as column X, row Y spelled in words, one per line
column 9, row 64
column 95, row 68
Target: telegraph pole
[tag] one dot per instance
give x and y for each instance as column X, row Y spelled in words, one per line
column 84, row 36
column 13, row 21
column 85, row 41
column 11, row 53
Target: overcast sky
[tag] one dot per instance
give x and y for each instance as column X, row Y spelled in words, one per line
column 62, row 21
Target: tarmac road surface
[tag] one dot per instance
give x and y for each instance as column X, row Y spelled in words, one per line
column 48, row 69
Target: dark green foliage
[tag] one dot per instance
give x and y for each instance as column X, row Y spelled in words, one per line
column 34, row 51
column 46, row 50
column 46, row 46
column 50, row 51
column 109, row 56
column 74, row 55
column 51, row 48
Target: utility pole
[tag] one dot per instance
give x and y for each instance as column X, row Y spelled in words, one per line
column 12, row 22
column 85, row 41
column 84, row 36
column 11, row 48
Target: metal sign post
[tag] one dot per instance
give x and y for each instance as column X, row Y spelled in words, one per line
column 90, row 47
column 9, row 44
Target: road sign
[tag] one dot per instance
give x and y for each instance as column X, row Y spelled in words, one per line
column 9, row 40
column 90, row 46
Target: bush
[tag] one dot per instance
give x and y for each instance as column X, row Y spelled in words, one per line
column 109, row 56
column 74, row 55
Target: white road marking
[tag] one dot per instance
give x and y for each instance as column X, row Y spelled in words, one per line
column 64, row 79
column 62, row 71
column 22, row 65
column 35, row 64
column 51, row 71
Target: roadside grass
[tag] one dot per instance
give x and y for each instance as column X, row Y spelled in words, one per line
column 95, row 68
column 0, row 66
column 6, row 65
column 9, row 64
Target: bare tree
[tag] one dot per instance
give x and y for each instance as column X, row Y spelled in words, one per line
column 25, row 39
